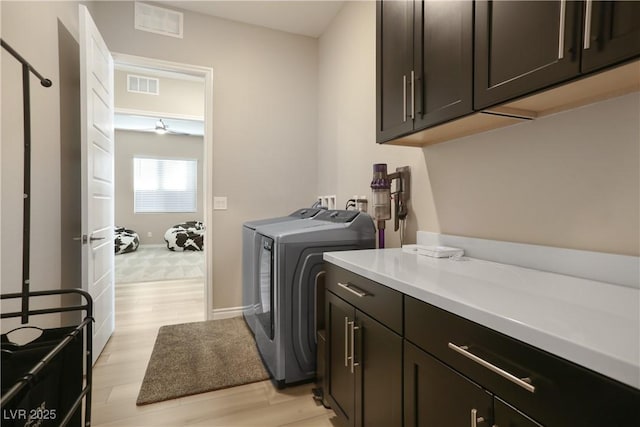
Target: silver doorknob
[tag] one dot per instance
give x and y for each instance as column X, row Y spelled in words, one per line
column 82, row 239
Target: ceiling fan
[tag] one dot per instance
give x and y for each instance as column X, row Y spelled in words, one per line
column 162, row 128
column 136, row 123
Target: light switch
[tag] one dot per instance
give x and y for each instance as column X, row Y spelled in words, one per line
column 219, row 203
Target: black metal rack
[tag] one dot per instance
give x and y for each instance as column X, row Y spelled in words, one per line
column 27, row 380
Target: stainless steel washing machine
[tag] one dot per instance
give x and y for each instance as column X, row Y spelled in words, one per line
column 250, row 251
column 288, row 266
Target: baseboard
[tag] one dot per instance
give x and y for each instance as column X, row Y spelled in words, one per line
column 226, row 313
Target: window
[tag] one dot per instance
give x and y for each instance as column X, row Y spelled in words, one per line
column 164, row 185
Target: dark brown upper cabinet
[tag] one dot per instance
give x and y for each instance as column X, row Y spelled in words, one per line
column 611, row 33
column 424, row 64
column 394, row 62
column 447, row 69
column 524, row 46
column 443, row 61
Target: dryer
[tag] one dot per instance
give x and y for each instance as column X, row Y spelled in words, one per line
column 249, row 254
column 289, row 264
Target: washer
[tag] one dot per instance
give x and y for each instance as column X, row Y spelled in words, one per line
column 249, row 254
column 289, row 265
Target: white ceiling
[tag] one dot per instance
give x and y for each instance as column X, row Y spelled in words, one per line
column 309, row 18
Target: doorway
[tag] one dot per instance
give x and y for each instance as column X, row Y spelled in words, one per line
column 150, row 131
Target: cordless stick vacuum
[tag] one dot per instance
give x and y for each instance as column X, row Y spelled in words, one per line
column 382, row 195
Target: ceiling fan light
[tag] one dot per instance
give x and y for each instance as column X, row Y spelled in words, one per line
column 161, row 128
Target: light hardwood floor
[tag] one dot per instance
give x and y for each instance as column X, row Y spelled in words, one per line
column 141, row 308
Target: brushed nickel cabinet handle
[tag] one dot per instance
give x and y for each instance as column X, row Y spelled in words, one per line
column 354, row 328
column 563, row 14
column 413, row 96
column 404, row 98
column 587, row 24
column 349, row 287
column 346, row 342
column 525, row 383
column 475, row 419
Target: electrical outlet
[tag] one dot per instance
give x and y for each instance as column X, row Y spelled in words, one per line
column 363, row 204
column 328, row 202
column 149, row 234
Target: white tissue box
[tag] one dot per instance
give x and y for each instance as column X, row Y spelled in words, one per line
column 410, row 249
column 439, row 251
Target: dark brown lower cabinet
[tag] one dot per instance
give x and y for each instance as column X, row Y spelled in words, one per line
column 552, row 391
column 436, row 395
column 341, row 383
column 436, row 369
column 365, row 367
column 504, row 415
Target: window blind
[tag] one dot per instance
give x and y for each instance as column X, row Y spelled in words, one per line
column 164, row 185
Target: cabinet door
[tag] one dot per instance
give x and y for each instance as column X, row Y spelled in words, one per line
column 523, row 46
column 565, row 394
column 443, row 61
column 436, row 396
column 506, row 416
column 341, row 382
column 378, row 374
column 394, row 63
column 611, row 33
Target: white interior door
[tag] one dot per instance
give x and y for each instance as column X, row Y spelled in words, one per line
column 96, row 94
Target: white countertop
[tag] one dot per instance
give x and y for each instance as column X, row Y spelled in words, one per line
column 593, row 324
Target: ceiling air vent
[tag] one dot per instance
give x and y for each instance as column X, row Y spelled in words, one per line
column 158, row 20
column 140, row 84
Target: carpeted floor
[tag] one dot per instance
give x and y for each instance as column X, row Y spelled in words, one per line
column 193, row 358
column 151, row 263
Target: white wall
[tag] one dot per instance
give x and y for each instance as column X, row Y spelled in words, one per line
column 176, row 96
column 346, row 121
column 38, row 31
column 570, row 180
column 264, row 120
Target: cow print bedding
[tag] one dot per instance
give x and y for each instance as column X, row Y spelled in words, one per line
column 125, row 240
column 188, row 236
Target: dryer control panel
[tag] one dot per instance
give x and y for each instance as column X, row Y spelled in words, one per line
column 339, row 216
column 305, row 213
